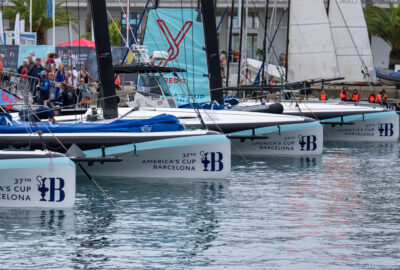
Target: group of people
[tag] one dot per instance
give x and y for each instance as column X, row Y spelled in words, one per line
column 355, row 96
column 56, row 84
column 53, row 75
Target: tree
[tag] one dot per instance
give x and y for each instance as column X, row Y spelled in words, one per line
column 40, row 22
column 386, row 25
column 115, row 36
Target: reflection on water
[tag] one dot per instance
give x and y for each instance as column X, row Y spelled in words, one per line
column 338, row 211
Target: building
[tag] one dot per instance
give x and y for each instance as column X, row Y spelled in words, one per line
column 255, row 22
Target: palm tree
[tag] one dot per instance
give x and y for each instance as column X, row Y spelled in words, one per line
column 115, row 33
column 386, row 25
column 40, row 22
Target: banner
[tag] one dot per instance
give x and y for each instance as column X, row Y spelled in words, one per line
column 40, row 51
column 49, row 9
column 10, row 55
column 1, row 28
column 17, row 30
column 177, row 32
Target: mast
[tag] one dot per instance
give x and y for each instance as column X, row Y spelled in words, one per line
column 287, row 42
column 212, row 50
column 230, row 53
column 263, row 82
column 104, row 58
column 240, row 42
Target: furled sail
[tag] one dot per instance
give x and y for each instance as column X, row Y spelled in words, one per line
column 311, row 53
column 351, row 41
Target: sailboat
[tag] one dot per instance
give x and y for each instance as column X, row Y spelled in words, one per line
column 157, row 147
column 255, row 134
column 32, row 179
column 341, row 49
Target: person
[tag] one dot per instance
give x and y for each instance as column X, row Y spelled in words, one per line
column 44, row 87
column 50, row 64
column 31, row 62
column 35, row 72
column 306, row 91
column 222, row 60
column 355, row 97
column 84, row 74
column 343, row 93
column 70, row 58
column 372, row 97
column 384, row 96
column 67, row 98
column 32, row 54
column 23, row 69
column 117, row 82
column 73, row 76
column 381, row 97
column 59, row 78
column 42, row 112
column 57, row 60
column 323, row 96
column 83, row 93
column 236, row 55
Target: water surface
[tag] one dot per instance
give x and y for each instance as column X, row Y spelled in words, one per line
column 337, row 211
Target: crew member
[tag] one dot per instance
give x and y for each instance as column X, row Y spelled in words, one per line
column 381, row 98
column 355, row 97
column 372, row 97
column 323, row 96
column 343, row 94
column 42, row 112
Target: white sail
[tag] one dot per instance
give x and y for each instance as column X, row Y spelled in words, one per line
column 351, row 41
column 311, row 53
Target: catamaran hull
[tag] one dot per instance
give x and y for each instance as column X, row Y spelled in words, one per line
column 196, row 157
column 37, row 183
column 372, row 127
column 287, row 140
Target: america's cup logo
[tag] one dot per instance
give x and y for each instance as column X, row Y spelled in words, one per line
column 174, row 42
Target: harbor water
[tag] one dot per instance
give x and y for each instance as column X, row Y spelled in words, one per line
column 337, row 211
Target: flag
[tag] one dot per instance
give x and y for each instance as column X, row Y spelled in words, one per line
column 17, row 30
column 1, row 28
column 22, row 26
column 49, row 8
column 92, row 32
column 70, row 33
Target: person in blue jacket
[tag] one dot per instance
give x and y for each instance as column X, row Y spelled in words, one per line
column 44, row 87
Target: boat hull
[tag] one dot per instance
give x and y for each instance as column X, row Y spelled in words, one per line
column 37, row 183
column 282, row 132
column 304, row 139
column 195, row 157
column 372, row 127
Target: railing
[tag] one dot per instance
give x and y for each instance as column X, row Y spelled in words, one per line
column 21, row 86
column 24, row 88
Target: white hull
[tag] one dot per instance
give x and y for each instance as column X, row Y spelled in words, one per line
column 37, row 183
column 292, row 140
column 194, row 157
column 367, row 120
column 283, row 131
column 383, row 127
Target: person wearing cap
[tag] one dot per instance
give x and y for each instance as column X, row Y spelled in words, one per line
column 44, row 87
column 67, row 98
